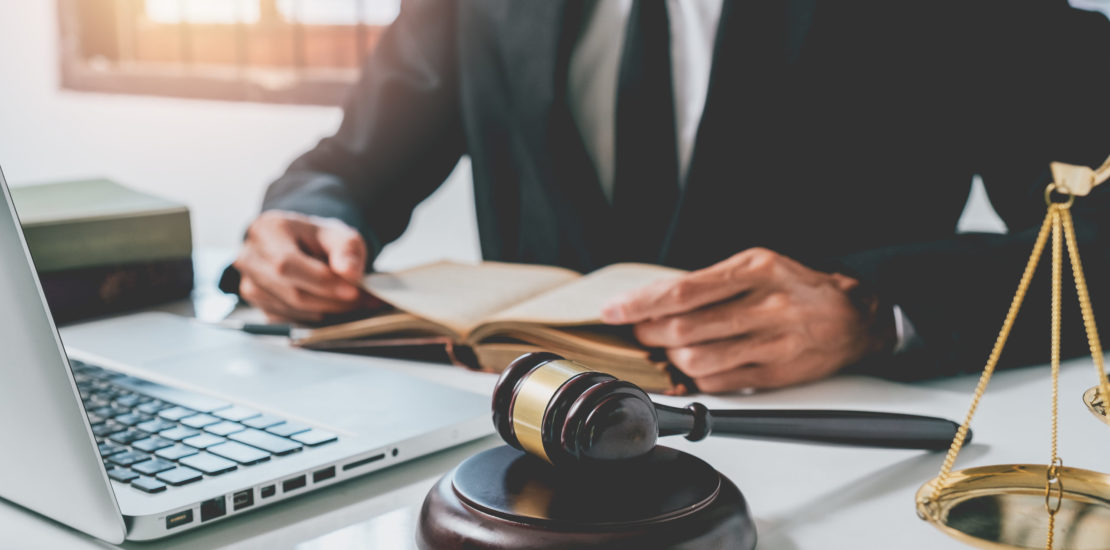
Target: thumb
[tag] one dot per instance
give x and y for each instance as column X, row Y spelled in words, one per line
column 345, row 250
column 614, row 311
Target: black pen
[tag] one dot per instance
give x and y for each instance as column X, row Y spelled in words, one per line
column 261, row 329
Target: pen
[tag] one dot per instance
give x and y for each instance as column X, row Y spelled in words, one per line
column 261, row 329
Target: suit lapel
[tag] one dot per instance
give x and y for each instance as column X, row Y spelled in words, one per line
column 537, row 41
column 757, row 41
column 799, row 19
column 537, row 38
column 534, row 30
column 531, row 37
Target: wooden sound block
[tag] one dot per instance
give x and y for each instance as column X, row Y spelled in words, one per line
column 503, row 498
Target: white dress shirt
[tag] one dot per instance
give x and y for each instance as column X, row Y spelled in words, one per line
column 595, row 66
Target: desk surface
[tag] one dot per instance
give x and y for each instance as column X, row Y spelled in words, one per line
column 802, row 496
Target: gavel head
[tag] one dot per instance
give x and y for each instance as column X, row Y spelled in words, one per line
column 565, row 413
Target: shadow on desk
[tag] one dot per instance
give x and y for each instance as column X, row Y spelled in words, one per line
column 912, row 471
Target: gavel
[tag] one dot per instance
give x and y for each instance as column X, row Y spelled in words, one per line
column 565, row 413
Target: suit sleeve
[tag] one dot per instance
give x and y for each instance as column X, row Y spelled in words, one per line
column 1042, row 98
column 400, row 136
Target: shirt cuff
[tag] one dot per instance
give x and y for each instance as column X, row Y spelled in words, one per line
column 906, row 335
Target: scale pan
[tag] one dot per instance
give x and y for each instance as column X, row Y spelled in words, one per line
column 1096, row 404
column 1003, row 506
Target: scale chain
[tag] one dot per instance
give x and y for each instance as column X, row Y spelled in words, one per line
column 1085, row 306
column 1052, row 474
column 992, row 361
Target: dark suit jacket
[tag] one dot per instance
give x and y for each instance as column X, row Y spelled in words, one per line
column 844, row 134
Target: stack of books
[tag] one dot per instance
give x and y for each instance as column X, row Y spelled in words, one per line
column 103, row 248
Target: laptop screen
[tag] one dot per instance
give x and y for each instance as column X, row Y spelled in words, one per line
column 52, row 465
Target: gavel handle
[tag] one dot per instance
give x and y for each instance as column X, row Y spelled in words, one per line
column 858, row 428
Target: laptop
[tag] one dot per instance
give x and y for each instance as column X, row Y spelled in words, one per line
column 149, row 425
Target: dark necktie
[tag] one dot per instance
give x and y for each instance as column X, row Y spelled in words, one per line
column 645, row 190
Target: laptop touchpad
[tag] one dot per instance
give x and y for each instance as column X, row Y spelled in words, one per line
column 246, row 370
column 355, row 398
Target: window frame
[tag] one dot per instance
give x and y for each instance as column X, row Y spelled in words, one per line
column 304, row 86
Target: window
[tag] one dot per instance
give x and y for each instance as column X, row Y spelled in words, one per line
column 285, row 51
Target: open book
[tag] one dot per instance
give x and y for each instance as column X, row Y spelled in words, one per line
column 485, row 315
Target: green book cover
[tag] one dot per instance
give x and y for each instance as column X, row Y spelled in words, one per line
column 90, row 223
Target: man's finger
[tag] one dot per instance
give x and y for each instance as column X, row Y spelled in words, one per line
column 311, row 275
column 345, row 251
column 700, row 288
column 302, row 300
column 747, row 377
column 716, row 357
column 282, row 269
column 273, row 306
column 716, row 322
column 288, row 291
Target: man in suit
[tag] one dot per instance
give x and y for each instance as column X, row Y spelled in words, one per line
column 808, row 159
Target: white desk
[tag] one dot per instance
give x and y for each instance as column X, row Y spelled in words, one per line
column 802, row 496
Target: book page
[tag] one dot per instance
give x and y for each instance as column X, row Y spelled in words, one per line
column 580, row 302
column 462, row 296
column 388, row 323
column 648, row 375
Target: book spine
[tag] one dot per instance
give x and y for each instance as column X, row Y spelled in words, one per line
column 110, row 242
column 91, row 292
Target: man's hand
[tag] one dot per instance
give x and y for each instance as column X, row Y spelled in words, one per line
column 298, row 268
column 755, row 320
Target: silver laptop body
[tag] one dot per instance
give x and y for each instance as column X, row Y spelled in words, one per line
column 354, row 417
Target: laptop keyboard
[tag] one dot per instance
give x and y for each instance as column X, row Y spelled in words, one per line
column 154, row 437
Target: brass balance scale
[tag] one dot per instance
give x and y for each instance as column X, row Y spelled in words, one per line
column 1024, row 505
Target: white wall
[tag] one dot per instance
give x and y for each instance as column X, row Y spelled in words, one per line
column 217, row 157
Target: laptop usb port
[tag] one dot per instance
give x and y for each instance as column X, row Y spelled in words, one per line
column 177, row 520
column 242, row 499
column 322, row 475
column 293, row 483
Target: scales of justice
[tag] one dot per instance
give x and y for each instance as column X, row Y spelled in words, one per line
column 1025, row 505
